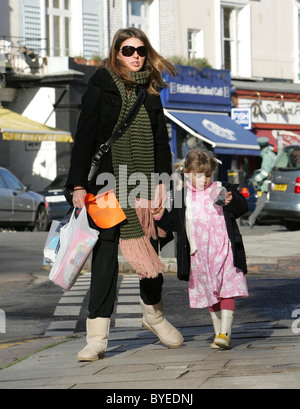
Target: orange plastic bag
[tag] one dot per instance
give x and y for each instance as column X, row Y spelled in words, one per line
column 104, row 209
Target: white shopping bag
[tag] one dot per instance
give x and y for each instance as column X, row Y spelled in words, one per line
column 53, row 239
column 77, row 240
column 52, row 244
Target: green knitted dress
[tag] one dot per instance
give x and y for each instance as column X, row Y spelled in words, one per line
column 133, row 164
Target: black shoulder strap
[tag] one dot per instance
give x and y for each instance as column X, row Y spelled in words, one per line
column 104, row 148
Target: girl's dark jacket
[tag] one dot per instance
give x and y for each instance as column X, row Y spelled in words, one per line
column 175, row 221
column 101, row 105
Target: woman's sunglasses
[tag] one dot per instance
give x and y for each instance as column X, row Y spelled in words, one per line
column 129, row 50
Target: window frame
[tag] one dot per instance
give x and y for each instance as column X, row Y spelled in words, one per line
column 232, row 39
column 61, row 13
column 196, row 40
column 239, row 39
column 142, row 21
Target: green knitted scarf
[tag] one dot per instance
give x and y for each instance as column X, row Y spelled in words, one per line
column 135, row 150
column 134, row 153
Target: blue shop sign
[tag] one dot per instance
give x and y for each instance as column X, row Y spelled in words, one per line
column 242, row 116
column 207, row 89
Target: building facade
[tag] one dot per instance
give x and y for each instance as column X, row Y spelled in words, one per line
column 40, row 43
column 256, row 41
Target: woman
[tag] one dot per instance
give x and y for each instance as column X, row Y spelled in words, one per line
column 143, row 148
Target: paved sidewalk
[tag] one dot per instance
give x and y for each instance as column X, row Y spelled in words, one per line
column 264, row 355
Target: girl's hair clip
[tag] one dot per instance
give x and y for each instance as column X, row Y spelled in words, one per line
column 181, row 166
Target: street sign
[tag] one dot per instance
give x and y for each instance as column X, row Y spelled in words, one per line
column 242, row 116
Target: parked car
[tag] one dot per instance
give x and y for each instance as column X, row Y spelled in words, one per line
column 284, row 188
column 19, row 206
column 54, row 195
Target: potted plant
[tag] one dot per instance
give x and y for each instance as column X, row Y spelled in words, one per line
column 80, row 60
column 198, row 63
column 95, row 60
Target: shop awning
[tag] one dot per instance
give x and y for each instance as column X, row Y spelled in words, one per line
column 15, row 127
column 220, row 131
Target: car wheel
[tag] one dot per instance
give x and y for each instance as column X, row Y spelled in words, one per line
column 41, row 221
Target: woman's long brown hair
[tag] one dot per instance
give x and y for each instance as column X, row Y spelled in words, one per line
column 154, row 62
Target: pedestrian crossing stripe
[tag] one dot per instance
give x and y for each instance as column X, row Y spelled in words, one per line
column 127, row 312
column 128, row 303
column 69, row 306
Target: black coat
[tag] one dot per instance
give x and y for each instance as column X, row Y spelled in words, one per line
column 101, row 106
column 175, row 221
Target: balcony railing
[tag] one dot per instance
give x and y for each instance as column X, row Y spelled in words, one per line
column 22, row 56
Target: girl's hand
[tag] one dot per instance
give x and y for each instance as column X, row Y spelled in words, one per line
column 157, row 213
column 160, row 196
column 160, row 199
column 228, row 198
column 79, row 194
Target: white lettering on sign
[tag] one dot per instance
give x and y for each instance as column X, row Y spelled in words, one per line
column 242, row 116
column 218, row 130
column 275, row 112
column 175, row 88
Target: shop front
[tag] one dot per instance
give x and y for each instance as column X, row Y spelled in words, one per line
column 197, row 105
column 275, row 110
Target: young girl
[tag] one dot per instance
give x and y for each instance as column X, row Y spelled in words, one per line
column 210, row 251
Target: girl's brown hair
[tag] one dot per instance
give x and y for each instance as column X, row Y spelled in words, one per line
column 154, row 63
column 200, row 161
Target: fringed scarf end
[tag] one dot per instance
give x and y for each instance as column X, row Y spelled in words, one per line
column 142, row 256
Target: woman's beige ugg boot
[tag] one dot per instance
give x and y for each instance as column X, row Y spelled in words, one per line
column 154, row 320
column 216, row 320
column 224, row 339
column 97, row 331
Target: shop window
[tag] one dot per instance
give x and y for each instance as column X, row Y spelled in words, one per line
column 185, row 143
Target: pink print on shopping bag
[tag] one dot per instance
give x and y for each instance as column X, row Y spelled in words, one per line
column 75, row 258
column 77, row 240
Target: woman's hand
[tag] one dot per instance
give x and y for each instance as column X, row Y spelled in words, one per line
column 79, row 194
column 157, row 213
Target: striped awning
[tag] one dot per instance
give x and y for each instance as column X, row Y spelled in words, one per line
column 15, row 127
